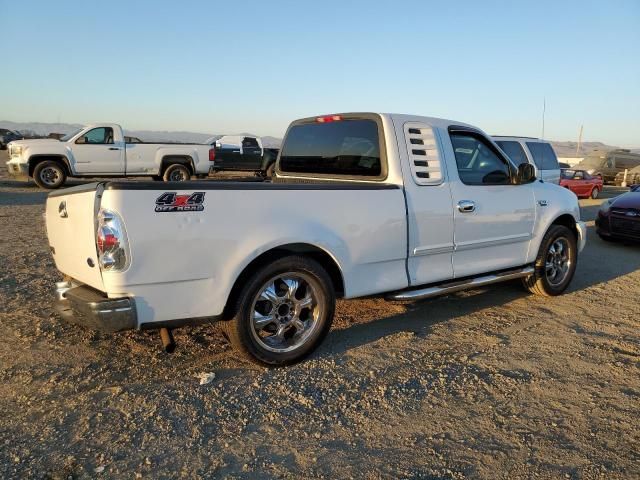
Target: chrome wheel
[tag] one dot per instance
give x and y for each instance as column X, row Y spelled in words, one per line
column 50, row 176
column 178, row 175
column 558, row 261
column 286, row 311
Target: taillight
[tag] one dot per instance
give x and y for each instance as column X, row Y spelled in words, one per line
column 212, row 155
column 329, row 118
column 111, row 241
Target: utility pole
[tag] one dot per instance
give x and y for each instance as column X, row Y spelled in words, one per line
column 579, row 141
column 544, row 108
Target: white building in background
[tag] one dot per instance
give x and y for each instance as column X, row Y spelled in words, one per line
column 572, row 161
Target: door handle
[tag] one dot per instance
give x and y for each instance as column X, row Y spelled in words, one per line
column 114, row 148
column 466, row 206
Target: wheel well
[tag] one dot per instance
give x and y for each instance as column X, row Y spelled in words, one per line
column 185, row 160
column 36, row 159
column 268, row 159
column 319, row 255
column 568, row 221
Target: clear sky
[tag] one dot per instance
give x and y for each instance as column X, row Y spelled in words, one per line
column 225, row 67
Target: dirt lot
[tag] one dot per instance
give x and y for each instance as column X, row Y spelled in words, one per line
column 485, row 384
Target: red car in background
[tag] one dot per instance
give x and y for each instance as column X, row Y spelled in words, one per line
column 581, row 183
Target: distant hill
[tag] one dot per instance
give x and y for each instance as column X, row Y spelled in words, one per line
column 44, row 129
column 568, row 149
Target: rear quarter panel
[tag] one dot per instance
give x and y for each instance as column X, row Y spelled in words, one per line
column 184, row 264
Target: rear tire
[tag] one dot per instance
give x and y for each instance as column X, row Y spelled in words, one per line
column 177, row 173
column 282, row 312
column 595, row 192
column 555, row 264
column 49, row 175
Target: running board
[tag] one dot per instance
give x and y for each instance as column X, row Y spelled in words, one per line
column 454, row 286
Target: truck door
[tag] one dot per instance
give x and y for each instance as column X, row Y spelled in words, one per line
column 429, row 205
column 493, row 218
column 96, row 151
column 251, row 153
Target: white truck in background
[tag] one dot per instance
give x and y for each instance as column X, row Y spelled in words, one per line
column 361, row 204
column 102, row 150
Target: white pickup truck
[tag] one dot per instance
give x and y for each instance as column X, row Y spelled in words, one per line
column 102, row 150
column 362, row 204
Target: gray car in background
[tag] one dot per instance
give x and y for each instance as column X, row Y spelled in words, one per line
column 7, row 136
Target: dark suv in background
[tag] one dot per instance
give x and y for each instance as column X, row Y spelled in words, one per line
column 7, row 136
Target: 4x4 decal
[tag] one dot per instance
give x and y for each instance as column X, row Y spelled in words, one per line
column 172, row 202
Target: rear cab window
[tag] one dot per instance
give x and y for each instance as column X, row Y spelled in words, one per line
column 335, row 146
column 543, row 155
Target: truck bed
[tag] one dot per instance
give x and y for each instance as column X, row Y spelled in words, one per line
column 196, row 254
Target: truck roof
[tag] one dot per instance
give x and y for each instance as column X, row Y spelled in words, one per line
column 515, row 137
column 400, row 117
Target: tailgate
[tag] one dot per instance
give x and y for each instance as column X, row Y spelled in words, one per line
column 71, row 228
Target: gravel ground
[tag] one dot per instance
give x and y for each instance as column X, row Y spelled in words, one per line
column 492, row 383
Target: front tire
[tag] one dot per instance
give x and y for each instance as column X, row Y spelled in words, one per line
column 555, row 264
column 595, row 192
column 177, row 173
column 283, row 312
column 49, row 175
column 271, row 170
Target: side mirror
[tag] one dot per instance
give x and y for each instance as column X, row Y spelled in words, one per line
column 526, row 173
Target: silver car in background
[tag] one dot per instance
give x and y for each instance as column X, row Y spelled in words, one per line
column 535, row 151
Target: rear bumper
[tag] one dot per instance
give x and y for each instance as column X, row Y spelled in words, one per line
column 88, row 307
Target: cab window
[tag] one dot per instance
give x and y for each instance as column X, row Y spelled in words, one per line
column 514, row 151
column 543, row 155
column 249, row 142
column 478, row 162
column 97, row 136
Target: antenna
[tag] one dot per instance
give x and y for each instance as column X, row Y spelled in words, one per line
column 579, row 141
column 544, row 108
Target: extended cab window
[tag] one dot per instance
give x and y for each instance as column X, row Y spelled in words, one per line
column 345, row 147
column 478, row 162
column 514, row 150
column 543, row 155
column 97, row 136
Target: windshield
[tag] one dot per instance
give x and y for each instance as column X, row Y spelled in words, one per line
column 69, row 136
